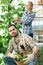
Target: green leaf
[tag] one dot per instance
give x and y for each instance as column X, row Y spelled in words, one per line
column 0, row 60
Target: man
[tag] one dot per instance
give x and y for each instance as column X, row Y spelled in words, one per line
column 16, row 43
column 27, row 18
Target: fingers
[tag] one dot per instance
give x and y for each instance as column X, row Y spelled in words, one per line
column 26, row 62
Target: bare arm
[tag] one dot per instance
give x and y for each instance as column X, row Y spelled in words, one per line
column 35, row 50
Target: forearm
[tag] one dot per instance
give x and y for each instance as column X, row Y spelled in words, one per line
column 29, row 20
column 29, row 58
column 35, row 50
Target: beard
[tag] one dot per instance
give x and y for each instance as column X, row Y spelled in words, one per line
column 16, row 35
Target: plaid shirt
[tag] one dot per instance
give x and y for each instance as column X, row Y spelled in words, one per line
column 27, row 19
column 24, row 40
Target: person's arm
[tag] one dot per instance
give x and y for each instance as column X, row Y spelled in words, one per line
column 28, row 19
column 29, row 42
column 32, row 44
column 9, row 50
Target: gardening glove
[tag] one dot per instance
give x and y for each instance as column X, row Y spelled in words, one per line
column 29, row 58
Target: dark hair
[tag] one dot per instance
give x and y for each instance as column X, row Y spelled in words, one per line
column 12, row 25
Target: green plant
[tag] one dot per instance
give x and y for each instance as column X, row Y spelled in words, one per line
column 40, row 57
column 7, row 18
column 20, row 57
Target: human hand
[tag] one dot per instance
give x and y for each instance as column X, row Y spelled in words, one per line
column 29, row 58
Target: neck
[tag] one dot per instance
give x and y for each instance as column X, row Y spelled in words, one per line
column 17, row 36
column 16, row 39
column 29, row 10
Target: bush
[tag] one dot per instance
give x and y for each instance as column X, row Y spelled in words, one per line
column 40, row 57
column 7, row 19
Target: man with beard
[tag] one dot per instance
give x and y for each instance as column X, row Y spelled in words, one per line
column 19, row 44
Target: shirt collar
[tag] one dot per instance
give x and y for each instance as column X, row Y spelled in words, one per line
column 19, row 36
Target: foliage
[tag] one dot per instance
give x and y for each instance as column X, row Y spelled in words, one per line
column 1, row 59
column 20, row 57
column 40, row 57
column 7, row 18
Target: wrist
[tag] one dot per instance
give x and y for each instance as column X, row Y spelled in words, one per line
column 31, row 56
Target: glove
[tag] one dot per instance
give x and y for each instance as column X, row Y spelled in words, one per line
column 28, row 59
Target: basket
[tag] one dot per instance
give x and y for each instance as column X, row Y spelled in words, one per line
column 20, row 63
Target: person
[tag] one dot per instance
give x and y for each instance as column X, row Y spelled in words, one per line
column 27, row 18
column 19, row 44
